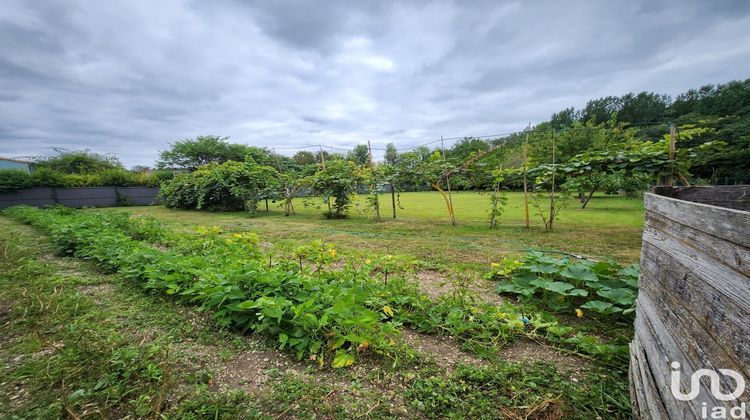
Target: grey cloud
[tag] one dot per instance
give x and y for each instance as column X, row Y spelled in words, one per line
column 131, row 77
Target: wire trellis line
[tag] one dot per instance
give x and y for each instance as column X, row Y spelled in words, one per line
column 498, row 136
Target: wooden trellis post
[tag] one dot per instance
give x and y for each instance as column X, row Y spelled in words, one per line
column 525, row 170
column 373, row 184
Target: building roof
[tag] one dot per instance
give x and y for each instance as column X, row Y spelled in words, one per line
column 14, row 160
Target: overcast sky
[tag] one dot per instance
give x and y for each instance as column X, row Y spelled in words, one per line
column 129, row 77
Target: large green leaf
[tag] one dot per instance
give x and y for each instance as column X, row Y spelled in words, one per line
column 578, row 292
column 621, row 296
column 579, row 272
column 601, row 307
column 560, row 287
column 519, row 289
column 542, row 268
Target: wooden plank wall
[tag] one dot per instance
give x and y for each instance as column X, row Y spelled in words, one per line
column 694, row 300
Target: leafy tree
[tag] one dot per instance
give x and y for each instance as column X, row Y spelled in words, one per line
column 565, row 118
column 220, row 187
column 337, row 180
column 635, row 160
column 304, row 157
column 600, row 110
column 643, row 108
column 193, row 153
column 391, row 154
column 360, row 154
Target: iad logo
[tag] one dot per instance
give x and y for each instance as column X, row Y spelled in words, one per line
column 737, row 412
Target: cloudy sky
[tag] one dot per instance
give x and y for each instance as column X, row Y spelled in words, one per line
column 129, row 77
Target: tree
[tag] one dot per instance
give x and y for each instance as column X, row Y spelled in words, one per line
column 303, row 157
column 193, row 153
column 77, row 162
column 636, row 159
column 338, row 180
column 564, row 118
column 138, row 169
column 600, row 110
column 228, row 186
column 360, row 154
column 643, row 108
column 391, row 154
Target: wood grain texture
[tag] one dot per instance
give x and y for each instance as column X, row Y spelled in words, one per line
column 694, row 300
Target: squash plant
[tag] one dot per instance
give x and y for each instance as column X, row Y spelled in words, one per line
column 561, row 284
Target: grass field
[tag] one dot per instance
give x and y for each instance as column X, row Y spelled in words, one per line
column 80, row 343
column 610, row 227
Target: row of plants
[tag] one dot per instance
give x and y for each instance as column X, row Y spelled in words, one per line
column 14, row 179
column 482, row 327
column 319, row 313
column 564, row 284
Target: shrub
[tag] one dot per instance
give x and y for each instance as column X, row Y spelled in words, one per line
column 116, row 178
column 14, row 179
column 229, row 186
column 45, row 177
column 78, row 162
column 80, row 180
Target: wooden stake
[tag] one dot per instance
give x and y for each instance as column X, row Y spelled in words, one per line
column 525, row 169
column 373, row 185
column 393, row 198
column 448, row 183
column 552, row 190
column 672, row 134
column 322, row 157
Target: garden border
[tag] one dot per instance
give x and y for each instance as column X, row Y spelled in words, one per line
column 81, row 197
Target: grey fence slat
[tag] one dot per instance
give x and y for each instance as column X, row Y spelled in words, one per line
column 31, row 197
column 81, row 197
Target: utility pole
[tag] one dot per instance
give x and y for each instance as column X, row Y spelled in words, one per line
column 373, row 185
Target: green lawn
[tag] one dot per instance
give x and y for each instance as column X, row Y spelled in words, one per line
column 610, row 227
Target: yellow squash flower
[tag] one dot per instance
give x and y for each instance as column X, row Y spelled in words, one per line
column 579, row 313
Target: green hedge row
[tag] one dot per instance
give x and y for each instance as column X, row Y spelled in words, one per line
column 14, row 179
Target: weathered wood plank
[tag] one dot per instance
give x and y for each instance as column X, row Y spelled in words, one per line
column 646, row 405
column 731, row 255
column 729, row 196
column 735, row 286
column 694, row 301
column 696, row 355
column 719, row 315
column 660, row 352
column 729, row 224
column 702, row 343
